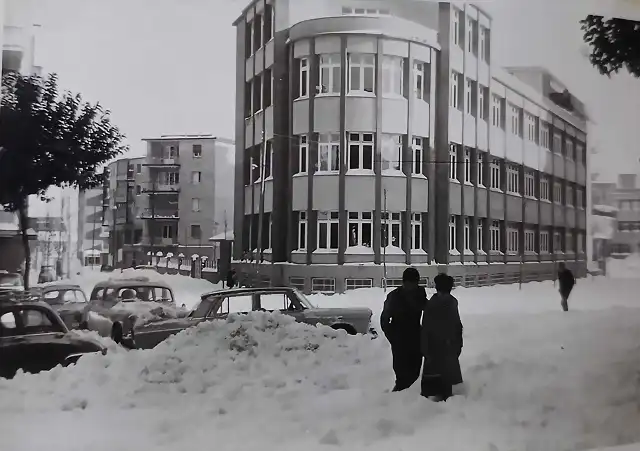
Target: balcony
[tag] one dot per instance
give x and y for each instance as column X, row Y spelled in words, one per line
column 162, row 162
column 160, row 213
column 162, row 188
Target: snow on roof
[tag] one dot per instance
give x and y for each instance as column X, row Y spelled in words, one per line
column 605, row 208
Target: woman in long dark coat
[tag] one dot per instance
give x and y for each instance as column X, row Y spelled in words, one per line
column 441, row 342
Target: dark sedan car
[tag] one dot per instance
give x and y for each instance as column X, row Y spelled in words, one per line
column 68, row 300
column 33, row 338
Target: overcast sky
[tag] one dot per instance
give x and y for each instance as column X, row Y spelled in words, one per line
column 167, row 66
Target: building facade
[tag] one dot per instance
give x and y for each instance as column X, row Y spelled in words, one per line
column 371, row 135
column 90, row 242
column 173, row 200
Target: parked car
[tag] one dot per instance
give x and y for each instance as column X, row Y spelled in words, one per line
column 147, row 268
column 47, row 274
column 219, row 304
column 120, row 300
column 10, row 282
column 34, row 338
column 68, row 300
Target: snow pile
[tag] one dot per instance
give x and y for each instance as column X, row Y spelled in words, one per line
column 146, row 311
column 626, row 268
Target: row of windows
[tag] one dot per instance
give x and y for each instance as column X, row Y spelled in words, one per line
column 172, row 178
column 477, row 37
column 259, row 30
column 171, row 153
column 258, row 93
column 361, row 75
column 360, row 230
column 170, row 231
column 629, row 226
column 533, row 242
column 472, row 171
column 629, row 205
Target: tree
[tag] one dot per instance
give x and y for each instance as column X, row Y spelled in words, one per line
column 614, row 43
column 49, row 139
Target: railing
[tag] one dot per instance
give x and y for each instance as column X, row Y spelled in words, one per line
column 162, row 161
column 159, row 213
column 162, row 188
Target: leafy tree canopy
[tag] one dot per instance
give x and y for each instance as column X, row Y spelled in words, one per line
column 50, row 139
column 614, row 43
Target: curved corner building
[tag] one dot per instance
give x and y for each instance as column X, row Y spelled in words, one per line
column 371, row 135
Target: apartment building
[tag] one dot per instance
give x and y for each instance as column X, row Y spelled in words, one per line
column 371, row 135
column 90, row 243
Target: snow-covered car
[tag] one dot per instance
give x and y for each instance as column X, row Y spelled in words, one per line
column 128, row 302
column 219, row 304
column 10, row 282
column 68, row 300
column 34, row 338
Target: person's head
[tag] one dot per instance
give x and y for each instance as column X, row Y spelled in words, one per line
column 443, row 283
column 410, row 278
column 561, row 266
column 128, row 294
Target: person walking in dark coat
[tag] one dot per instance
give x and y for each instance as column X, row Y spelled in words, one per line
column 400, row 322
column 566, row 282
column 441, row 342
column 231, row 278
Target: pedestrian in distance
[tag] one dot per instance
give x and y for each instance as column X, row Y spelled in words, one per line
column 441, row 342
column 566, row 282
column 400, row 323
column 231, row 278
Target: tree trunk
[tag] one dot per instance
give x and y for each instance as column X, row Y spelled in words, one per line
column 24, row 227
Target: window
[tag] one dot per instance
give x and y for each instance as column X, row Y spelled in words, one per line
column 268, row 159
column 329, row 152
column 569, row 242
column 418, row 155
column 569, row 198
column 257, row 32
column 513, row 179
column 532, row 134
column 557, row 143
column 496, row 112
column 580, row 155
column 544, row 134
column 197, row 150
column 579, row 239
column 544, row 242
column 453, row 160
column 392, row 75
column 472, row 32
column 455, row 89
column 495, row 174
column 579, row 198
column 512, row 240
column 480, row 236
column 319, row 285
column 329, row 79
column 302, row 230
column 529, row 241
column 480, row 168
column 360, row 229
column 267, row 88
column 471, row 95
column 196, row 232
column 557, row 243
column 172, row 178
column 391, row 153
column 167, row 231
column 303, row 154
column 495, row 236
column 363, row 11
column 362, row 73
column 248, row 38
column 257, row 93
column 391, row 230
column 452, row 234
column 529, row 184
column 361, row 151
column 467, row 234
column 304, row 77
column 544, row 188
column 557, row 192
column 484, row 44
column 195, row 204
column 422, row 80
column 516, row 126
column 138, row 169
column 455, row 26
column 483, row 102
column 416, row 231
column 569, row 149
column 196, row 177
column 269, row 22
column 138, row 190
column 467, row 166
column 354, row 284
column 328, row 230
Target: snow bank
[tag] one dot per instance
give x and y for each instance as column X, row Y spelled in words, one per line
column 145, row 311
column 627, row 268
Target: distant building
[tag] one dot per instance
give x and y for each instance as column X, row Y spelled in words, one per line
column 51, row 244
column 91, row 245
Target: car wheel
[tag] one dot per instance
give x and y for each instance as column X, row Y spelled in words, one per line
column 116, row 333
column 346, row 327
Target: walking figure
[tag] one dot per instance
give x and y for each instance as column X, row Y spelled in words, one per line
column 566, row 282
column 400, row 322
column 231, row 278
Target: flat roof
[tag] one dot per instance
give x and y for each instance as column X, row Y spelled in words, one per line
column 189, row 137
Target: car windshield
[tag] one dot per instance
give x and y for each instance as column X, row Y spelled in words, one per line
column 303, row 299
column 10, row 280
column 28, row 320
column 130, row 293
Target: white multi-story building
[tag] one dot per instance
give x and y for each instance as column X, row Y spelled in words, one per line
column 91, row 244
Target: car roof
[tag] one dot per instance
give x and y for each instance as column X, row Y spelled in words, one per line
column 21, row 304
column 133, row 282
column 239, row 291
column 53, row 286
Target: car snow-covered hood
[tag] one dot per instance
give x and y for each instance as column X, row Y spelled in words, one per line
column 350, row 312
column 145, row 311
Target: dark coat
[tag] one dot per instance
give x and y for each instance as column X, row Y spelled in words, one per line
column 566, row 281
column 441, row 339
column 231, row 279
column 400, row 318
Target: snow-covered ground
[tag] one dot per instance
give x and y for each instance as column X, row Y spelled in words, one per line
column 536, row 379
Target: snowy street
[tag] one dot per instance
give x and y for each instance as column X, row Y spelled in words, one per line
column 536, row 379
